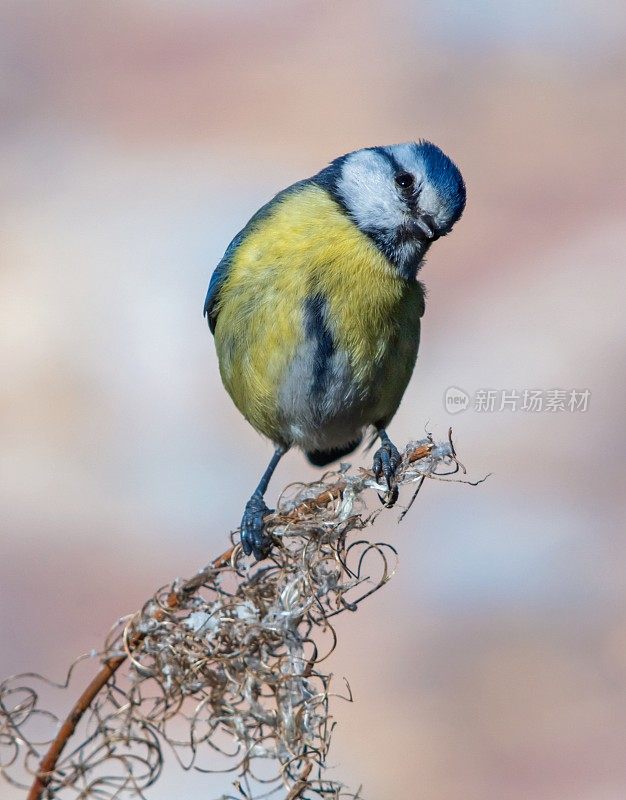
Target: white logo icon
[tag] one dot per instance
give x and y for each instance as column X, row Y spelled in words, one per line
column 455, row 400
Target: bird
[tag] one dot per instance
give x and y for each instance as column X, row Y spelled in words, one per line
column 316, row 307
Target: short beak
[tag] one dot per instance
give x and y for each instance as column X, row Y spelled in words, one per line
column 426, row 225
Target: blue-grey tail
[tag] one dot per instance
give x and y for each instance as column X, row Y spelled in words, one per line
column 320, row 458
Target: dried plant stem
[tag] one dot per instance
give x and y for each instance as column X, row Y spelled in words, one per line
column 66, row 730
column 112, row 664
column 110, row 667
column 301, row 784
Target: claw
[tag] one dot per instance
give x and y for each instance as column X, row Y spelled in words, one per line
column 386, row 461
column 389, row 500
column 254, row 540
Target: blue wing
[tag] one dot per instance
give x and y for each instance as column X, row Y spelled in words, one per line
column 218, row 278
column 221, row 271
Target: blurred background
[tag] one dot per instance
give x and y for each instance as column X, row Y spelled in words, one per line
column 137, row 138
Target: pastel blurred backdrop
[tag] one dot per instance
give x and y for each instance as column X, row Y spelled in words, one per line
column 136, row 139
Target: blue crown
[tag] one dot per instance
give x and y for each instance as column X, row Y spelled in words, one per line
column 444, row 175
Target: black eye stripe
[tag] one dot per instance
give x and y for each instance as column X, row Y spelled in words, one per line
column 403, row 179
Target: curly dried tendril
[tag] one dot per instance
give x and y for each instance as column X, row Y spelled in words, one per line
column 226, row 669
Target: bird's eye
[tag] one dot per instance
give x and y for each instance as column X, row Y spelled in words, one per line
column 405, row 180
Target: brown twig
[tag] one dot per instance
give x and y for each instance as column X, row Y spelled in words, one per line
column 301, row 784
column 420, row 452
column 109, row 668
column 111, row 665
column 49, row 761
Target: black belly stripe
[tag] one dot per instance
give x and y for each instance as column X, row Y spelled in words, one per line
column 316, row 328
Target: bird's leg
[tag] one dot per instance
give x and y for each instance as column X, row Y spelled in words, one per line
column 253, row 538
column 386, row 461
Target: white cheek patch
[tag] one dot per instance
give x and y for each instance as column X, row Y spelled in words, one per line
column 367, row 188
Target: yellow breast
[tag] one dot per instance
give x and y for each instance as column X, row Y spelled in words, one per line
column 305, row 245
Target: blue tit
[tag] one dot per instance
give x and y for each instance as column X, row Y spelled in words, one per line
column 316, row 307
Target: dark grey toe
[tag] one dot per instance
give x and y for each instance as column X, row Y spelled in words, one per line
column 387, row 459
column 254, row 540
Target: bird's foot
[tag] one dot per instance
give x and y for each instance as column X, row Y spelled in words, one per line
column 387, row 459
column 254, row 540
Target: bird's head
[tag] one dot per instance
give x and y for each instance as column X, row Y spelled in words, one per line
column 404, row 196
